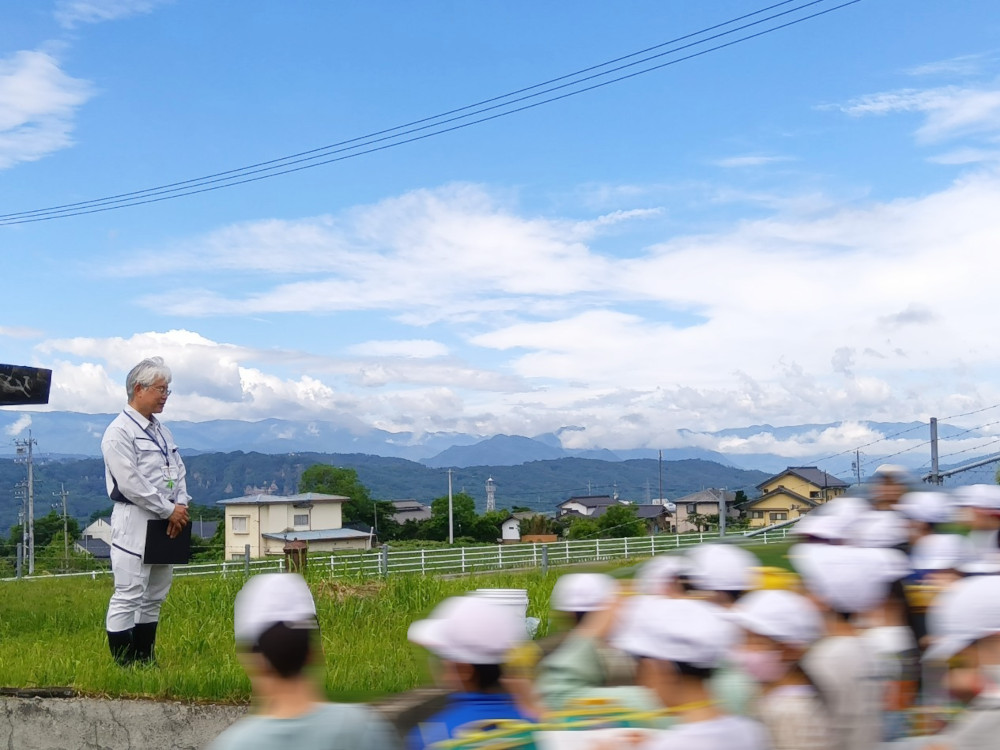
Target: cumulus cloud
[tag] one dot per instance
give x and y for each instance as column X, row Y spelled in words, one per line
column 801, row 316
column 38, row 103
column 71, row 13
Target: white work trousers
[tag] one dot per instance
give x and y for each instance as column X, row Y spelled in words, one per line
column 139, row 591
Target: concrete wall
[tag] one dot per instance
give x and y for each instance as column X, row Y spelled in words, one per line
column 33, row 723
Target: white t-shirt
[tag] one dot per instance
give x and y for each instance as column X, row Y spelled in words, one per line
column 795, row 717
column 724, row 733
column 846, row 671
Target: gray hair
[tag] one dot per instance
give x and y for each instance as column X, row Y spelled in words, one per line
column 146, row 373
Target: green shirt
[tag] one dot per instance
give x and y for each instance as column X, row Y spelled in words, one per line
column 332, row 726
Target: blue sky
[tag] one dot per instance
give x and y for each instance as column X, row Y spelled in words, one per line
column 798, row 228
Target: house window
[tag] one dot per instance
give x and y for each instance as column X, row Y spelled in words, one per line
column 240, row 524
column 814, row 494
column 237, row 556
column 756, row 514
column 692, row 508
column 779, row 516
column 301, row 519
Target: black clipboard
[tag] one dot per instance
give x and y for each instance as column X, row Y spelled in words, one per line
column 161, row 549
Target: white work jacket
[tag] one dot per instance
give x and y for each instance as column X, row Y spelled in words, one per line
column 142, row 460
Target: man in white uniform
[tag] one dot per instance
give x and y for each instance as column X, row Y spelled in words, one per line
column 145, row 477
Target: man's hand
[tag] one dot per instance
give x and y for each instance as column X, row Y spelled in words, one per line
column 177, row 521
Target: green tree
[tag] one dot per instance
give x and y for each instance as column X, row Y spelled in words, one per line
column 486, row 528
column 620, row 521
column 703, row 521
column 583, row 528
column 463, row 515
column 46, row 528
column 334, row 480
column 212, row 549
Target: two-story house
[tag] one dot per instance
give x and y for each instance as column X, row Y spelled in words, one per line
column 268, row 522
column 703, row 503
column 792, row 493
column 592, row 506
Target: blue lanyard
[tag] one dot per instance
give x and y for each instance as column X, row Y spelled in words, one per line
column 151, row 436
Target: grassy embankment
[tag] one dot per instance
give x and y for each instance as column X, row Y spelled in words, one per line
column 52, row 633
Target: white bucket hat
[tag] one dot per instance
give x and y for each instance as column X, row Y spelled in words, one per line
column 271, row 598
column 469, row 630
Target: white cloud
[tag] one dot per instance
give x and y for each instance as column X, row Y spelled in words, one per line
column 411, row 348
column 963, row 65
column 949, row 111
column 38, row 103
column 829, row 314
column 750, row 160
column 19, row 332
column 70, row 13
column 20, row 425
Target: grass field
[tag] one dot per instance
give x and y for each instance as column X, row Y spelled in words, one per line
column 52, row 633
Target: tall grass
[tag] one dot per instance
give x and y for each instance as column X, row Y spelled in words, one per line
column 52, row 632
column 52, row 635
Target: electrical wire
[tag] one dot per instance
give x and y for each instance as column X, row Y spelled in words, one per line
column 367, row 144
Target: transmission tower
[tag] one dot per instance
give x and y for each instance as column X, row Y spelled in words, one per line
column 491, row 495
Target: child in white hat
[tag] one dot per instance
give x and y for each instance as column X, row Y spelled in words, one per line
column 471, row 637
column 276, row 630
column 844, row 582
column 779, row 628
column 679, row 643
column 964, row 625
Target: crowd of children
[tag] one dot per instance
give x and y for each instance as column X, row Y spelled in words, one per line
column 886, row 632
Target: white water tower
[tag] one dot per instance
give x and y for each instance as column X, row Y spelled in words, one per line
column 491, row 495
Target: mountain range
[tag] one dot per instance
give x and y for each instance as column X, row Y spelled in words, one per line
column 75, row 434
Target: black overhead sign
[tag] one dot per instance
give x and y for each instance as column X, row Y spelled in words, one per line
column 24, row 385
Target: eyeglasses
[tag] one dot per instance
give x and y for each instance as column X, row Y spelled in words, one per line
column 162, row 389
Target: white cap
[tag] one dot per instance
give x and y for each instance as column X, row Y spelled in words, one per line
column 941, row 552
column 846, row 579
column 721, row 567
column 833, row 521
column 780, row 615
column 892, row 472
column 985, row 496
column 964, row 613
column 659, row 572
column 880, row 528
column 270, row 598
column 583, row 592
column 469, row 630
column 677, row 630
column 926, row 507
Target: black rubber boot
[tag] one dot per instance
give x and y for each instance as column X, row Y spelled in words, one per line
column 143, row 641
column 122, row 649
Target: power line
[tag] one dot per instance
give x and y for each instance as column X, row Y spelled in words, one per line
column 367, row 143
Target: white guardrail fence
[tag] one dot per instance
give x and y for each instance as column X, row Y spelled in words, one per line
column 457, row 560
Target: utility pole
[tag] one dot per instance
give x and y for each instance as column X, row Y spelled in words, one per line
column 935, row 475
column 63, row 493
column 857, row 466
column 660, row 466
column 722, row 512
column 451, row 513
column 24, row 455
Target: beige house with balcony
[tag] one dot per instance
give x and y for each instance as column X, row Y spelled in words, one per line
column 791, row 494
column 268, row 522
